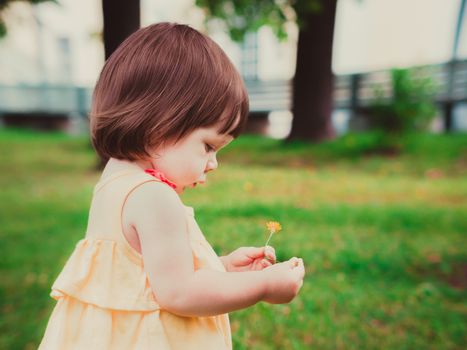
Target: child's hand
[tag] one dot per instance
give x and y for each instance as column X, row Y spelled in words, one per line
column 249, row 259
column 284, row 280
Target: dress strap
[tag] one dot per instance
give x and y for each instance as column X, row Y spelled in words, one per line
column 114, row 177
column 110, row 195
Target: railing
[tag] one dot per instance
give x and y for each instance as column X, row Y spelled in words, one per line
column 358, row 91
column 351, row 92
column 46, row 99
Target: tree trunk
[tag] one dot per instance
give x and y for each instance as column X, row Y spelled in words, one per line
column 121, row 18
column 313, row 82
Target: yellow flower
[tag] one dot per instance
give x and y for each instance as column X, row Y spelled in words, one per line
column 273, row 226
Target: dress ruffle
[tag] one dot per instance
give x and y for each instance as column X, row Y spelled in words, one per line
column 102, row 273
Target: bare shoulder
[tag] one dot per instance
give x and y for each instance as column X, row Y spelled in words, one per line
column 156, row 193
column 153, row 205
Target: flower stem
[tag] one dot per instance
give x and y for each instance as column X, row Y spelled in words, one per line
column 269, row 238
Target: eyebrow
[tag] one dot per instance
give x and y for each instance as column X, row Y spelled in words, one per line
column 221, row 140
column 225, row 139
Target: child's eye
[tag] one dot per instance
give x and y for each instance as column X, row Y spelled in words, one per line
column 209, row 148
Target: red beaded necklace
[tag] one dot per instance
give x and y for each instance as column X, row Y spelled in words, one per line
column 160, row 175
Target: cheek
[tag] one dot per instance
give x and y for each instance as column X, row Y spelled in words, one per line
column 190, row 168
column 184, row 167
column 196, row 166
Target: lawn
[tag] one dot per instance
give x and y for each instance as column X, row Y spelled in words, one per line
column 383, row 237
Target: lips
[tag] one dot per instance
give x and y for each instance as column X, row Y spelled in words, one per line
column 194, row 184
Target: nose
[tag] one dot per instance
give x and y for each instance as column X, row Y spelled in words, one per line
column 212, row 164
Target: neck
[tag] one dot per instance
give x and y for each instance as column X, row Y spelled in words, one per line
column 117, row 163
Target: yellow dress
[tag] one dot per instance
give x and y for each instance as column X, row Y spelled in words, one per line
column 104, row 299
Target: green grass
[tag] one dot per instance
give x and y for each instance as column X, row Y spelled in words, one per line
column 383, row 238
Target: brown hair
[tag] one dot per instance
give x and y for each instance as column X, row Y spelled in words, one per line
column 163, row 82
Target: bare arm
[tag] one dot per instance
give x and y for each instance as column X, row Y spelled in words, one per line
column 157, row 214
column 210, row 293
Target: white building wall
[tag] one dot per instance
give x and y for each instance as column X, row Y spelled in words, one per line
column 277, row 59
column 380, row 34
column 370, row 34
column 32, row 52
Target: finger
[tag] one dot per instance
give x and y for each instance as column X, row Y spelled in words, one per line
column 254, row 252
column 294, row 262
column 300, row 268
column 270, row 253
column 300, row 262
column 265, row 263
column 297, row 264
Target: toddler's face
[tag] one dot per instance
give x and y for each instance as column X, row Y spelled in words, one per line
column 187, row 163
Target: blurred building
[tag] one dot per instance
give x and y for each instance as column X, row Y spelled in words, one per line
column 60, row 45
column 52, row 43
